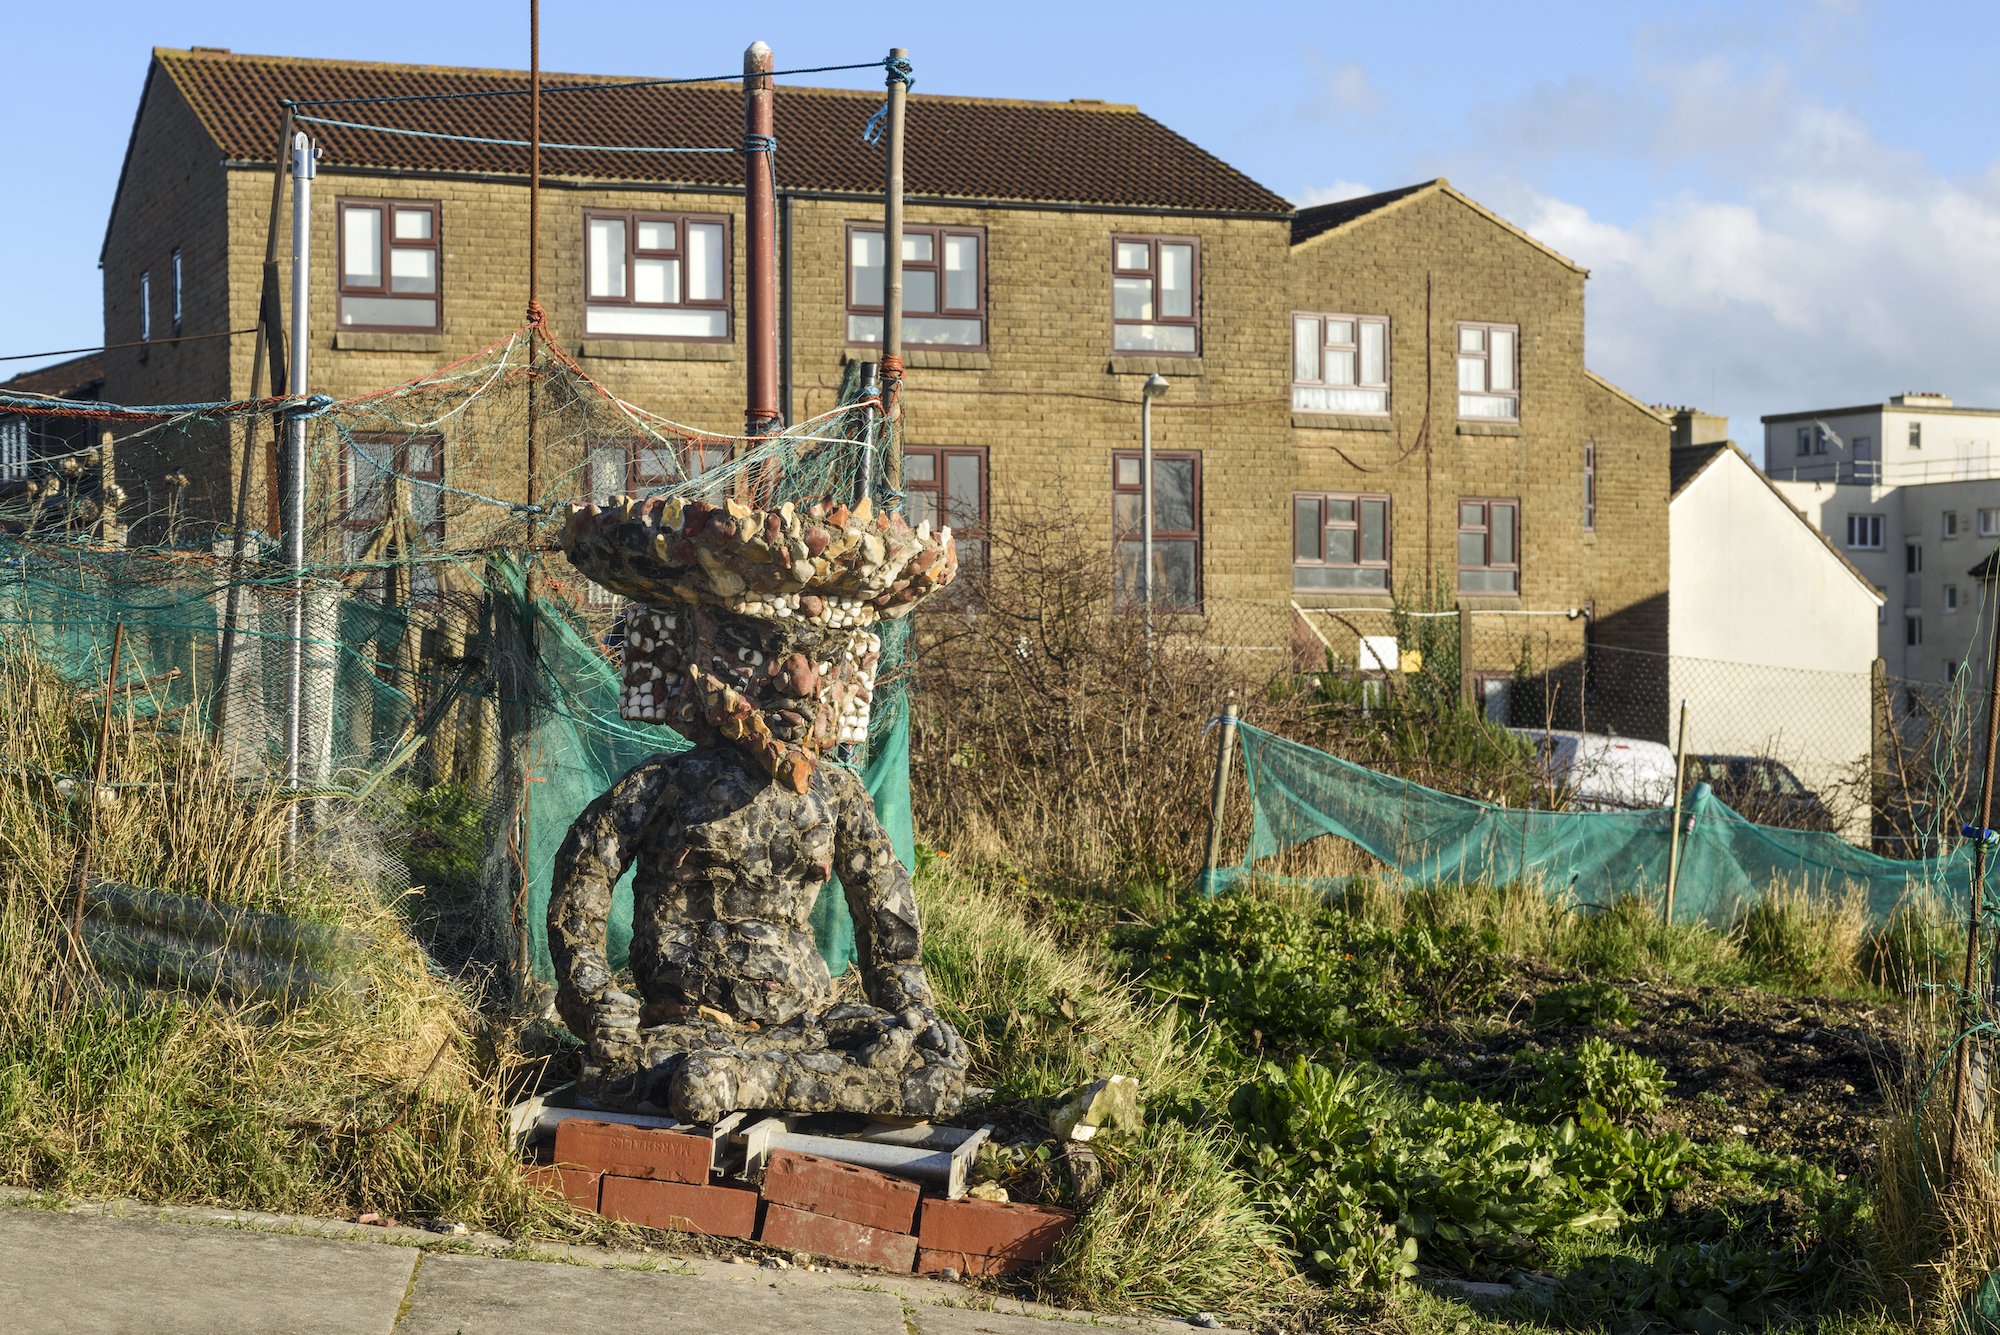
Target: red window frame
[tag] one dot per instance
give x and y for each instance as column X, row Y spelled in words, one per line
column 1321, row 318
column 1487, row 327
column 1192, row 320
column 936, row 487
column 945, row 311
column 1485, row 527
column 399, row 465
column 1160, row 535
column 693, row 459
column 633, row 252
column 385, row 234
column 1357, row 497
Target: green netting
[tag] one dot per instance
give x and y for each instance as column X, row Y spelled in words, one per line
column 1299, row 794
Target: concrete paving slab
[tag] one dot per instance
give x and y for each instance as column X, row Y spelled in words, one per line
column 973, row 1321
column 67, row 1274
column 474, row 1295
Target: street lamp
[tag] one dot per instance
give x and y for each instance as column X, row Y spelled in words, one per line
column 1155, row 386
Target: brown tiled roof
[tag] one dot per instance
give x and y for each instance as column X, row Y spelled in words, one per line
column 957, row 147
column 78, row 375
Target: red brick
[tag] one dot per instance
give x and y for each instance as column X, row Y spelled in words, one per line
column 841, row 1239
column 634, row 1151
column 722, row 1212
column 578, row 1186
column 841, row 1191
column 987, row 1237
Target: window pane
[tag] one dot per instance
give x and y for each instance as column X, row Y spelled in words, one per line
column 413, row 224
column 704, row 262
column 1134, row 255
column 1176, row 573
column 1339, row 331
column 1486, row 405
column 1471, row 373
column 1374, row 353
column 1471, row 340
column 1173, row 495
column 864, row 261
column 1374, row 530
column 920, row 290
column 1503, row 535
column 656, row 235
column 1471, row 514
column 1340, row 366
column 654, row 465
column 961, row 273
column 607, row 257
column 919, row 502
column 393, row 312
column 1177, row 281
column 918, row 246
column 412, row 270
column 961, row 482
column 920, row 466
column 1132, row 298
column 366, row 491
column 656, row 282
column 1126, row 519
column 1174, row 338
column 1340, row 546
column 362, row 233
column 654, row 322
column 1339, row 510
column 1471, row 549
column 957, row 333
column 1502, row 359
column 1305, row 528
column 1305, row 347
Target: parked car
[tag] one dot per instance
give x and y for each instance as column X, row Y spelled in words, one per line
column 1604, row 773
column 1761, row 789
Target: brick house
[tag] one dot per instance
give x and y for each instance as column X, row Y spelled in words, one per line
column 1058, row 255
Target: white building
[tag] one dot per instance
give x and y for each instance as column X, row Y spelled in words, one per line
column 1753, row 582
column 1910, row 492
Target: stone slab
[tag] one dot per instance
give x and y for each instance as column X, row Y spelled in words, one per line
column 473, row 1295
column 65, row 1274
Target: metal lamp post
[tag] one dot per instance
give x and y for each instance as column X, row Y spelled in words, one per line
column 1155, row 386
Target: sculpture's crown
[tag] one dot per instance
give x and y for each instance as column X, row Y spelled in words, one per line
column 735, row 556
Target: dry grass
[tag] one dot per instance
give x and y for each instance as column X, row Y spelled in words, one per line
column 368, row 1097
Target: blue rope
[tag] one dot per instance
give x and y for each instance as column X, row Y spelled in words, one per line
column 504, row 143
column 871, row 133
column 758, row 143
column 899, row 72
column 594, row 87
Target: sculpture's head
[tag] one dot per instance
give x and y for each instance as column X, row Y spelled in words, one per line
column 756, row 627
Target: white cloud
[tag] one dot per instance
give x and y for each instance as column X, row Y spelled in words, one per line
column 1809, row 265
column 1334, row 193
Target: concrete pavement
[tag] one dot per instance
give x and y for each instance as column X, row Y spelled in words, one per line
column 114, row 1269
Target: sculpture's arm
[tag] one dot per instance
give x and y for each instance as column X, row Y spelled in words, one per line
column 884, row 908
column 600, row 846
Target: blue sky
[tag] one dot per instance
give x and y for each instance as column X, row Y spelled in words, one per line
column 1784, row 204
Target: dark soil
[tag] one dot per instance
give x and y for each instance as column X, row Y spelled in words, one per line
column 1790, row 1075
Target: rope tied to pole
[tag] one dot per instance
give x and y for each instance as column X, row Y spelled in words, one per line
column 900, row 71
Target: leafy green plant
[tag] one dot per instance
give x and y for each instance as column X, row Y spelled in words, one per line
column 1599, row 1074
column 1587, row 1003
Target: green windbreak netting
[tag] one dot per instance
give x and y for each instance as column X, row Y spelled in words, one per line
column 1299, row 794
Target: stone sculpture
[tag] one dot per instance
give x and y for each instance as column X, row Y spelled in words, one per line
column 751, row 635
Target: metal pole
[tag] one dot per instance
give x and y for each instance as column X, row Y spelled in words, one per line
column 892, row 225
column 1975, row 903
column 1218, row 795
column 870, row 388
column 760, row 409
column 305, row 164
column 1680, row 786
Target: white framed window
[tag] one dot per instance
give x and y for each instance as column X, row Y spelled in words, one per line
column 1989, row 523
column 1489, row 371
column 656, row 275
column 176, row 270
column 14, row 457
column 1864, row 533
column 145, row 305
column 1950, row 604
column 1340, row 364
